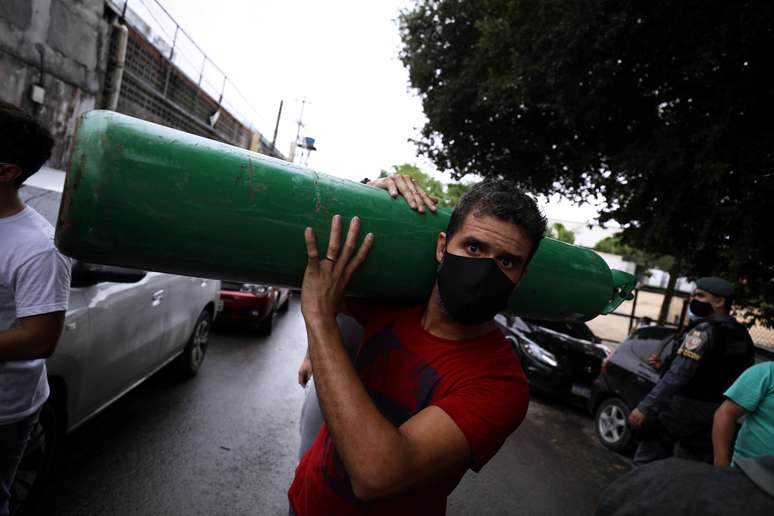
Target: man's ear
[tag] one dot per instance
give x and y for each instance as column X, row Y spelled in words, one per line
column 9, row 173
column 718, row 302
column 440, row 247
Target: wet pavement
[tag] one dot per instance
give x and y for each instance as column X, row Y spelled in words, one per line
column 224, row 443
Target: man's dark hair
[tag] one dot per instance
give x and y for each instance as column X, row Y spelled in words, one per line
column 502, row 199
column 23, row 141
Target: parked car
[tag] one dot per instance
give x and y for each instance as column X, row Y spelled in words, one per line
column 252, row 306
column 559, row 358
column 122, row 325
column 626, row 378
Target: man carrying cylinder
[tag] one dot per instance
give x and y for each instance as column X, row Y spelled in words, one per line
column 435, row 389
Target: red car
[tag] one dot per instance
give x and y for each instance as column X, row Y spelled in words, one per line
column 250, row 305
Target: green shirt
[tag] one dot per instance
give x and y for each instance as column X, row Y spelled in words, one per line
column 754, row 392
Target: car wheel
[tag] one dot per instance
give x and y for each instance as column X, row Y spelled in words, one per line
column 612, row 430
column 189, row 362
column 37, row 463
column 265, row 326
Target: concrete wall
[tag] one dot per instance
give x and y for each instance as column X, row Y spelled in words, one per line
column 59, row 44
column 65, row 46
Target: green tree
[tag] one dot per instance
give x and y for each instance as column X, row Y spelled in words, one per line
column 645, row 261
column 447, row 195
column 663, row 109
column 559, row 232
column 612, row 244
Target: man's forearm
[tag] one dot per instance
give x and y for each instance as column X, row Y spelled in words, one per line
column 370, row 446
column 674, row 379
column 18, row 344
column 723, row 426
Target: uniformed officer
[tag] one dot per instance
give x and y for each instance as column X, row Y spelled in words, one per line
column 675, row 418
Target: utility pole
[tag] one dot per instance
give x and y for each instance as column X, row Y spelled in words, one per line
column 276, row 128
column 300, row 124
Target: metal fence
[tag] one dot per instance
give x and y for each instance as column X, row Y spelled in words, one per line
column 645, row 307
column 169, row 79
column 762, row 336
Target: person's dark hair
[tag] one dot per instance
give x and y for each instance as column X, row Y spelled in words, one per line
column 502, row 199
column 23, row 141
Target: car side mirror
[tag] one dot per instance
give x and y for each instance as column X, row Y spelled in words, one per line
column 89, row 274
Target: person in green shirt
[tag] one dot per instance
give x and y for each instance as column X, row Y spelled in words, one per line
column 752, row 395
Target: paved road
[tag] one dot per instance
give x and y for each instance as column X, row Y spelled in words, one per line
column 224, row 443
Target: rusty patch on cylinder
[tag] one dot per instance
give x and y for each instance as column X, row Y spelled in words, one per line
column 72, row 183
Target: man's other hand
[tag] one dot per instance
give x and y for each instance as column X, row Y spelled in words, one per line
column 406, row 187
column 654, row 361
column 305, row 371
column 636, row 419
column 326, row 279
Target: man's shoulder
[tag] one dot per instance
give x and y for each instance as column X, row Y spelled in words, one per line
column 758, row 372
column 722, row 322
column 731, row 334
column 27, row 236
column 29, row 227
column 492, row 356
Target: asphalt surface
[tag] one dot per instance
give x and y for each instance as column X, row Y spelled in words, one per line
column 225, row 442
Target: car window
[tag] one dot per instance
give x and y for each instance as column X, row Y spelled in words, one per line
column 45, row 202
column 231, row 285
column 668, row 345
column 584, row 332
column 647, row 341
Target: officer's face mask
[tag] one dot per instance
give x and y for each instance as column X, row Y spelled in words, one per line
column 699, row 310
column 472, row 290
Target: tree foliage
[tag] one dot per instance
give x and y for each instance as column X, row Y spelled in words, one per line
column 662, row 108
column 559, row 232
column 447, row 195
column 614, row 245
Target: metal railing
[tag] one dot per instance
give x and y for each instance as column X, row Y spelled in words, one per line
column 150, row 18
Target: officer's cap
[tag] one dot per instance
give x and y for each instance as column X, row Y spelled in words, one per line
column 717, row 286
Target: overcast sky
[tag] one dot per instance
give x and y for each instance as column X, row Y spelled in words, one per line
column 342, row 56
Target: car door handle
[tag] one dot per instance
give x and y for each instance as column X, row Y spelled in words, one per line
column 203, row 283
column 157, row 297
column 71, row 326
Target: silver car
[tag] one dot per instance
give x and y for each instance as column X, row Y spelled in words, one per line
column 122, row 325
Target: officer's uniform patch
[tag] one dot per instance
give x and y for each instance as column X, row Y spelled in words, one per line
column 692, row 344
column 695, row 340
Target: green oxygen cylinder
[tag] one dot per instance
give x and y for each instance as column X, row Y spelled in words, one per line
column 141, row 195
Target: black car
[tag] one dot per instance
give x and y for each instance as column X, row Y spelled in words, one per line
column 559, row 358
column 625, row 379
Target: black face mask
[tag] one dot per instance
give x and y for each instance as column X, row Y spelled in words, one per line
column 472, row 290
column 700, row 308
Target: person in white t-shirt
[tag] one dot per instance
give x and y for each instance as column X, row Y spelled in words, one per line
column 34, row 289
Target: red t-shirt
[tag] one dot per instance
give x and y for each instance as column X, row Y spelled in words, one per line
column 479, row 383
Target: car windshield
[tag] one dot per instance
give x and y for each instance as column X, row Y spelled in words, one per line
column 45, row 202
column 512, row 321
column 575, row 330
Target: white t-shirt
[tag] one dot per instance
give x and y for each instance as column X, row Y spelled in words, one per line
column 34, row 280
